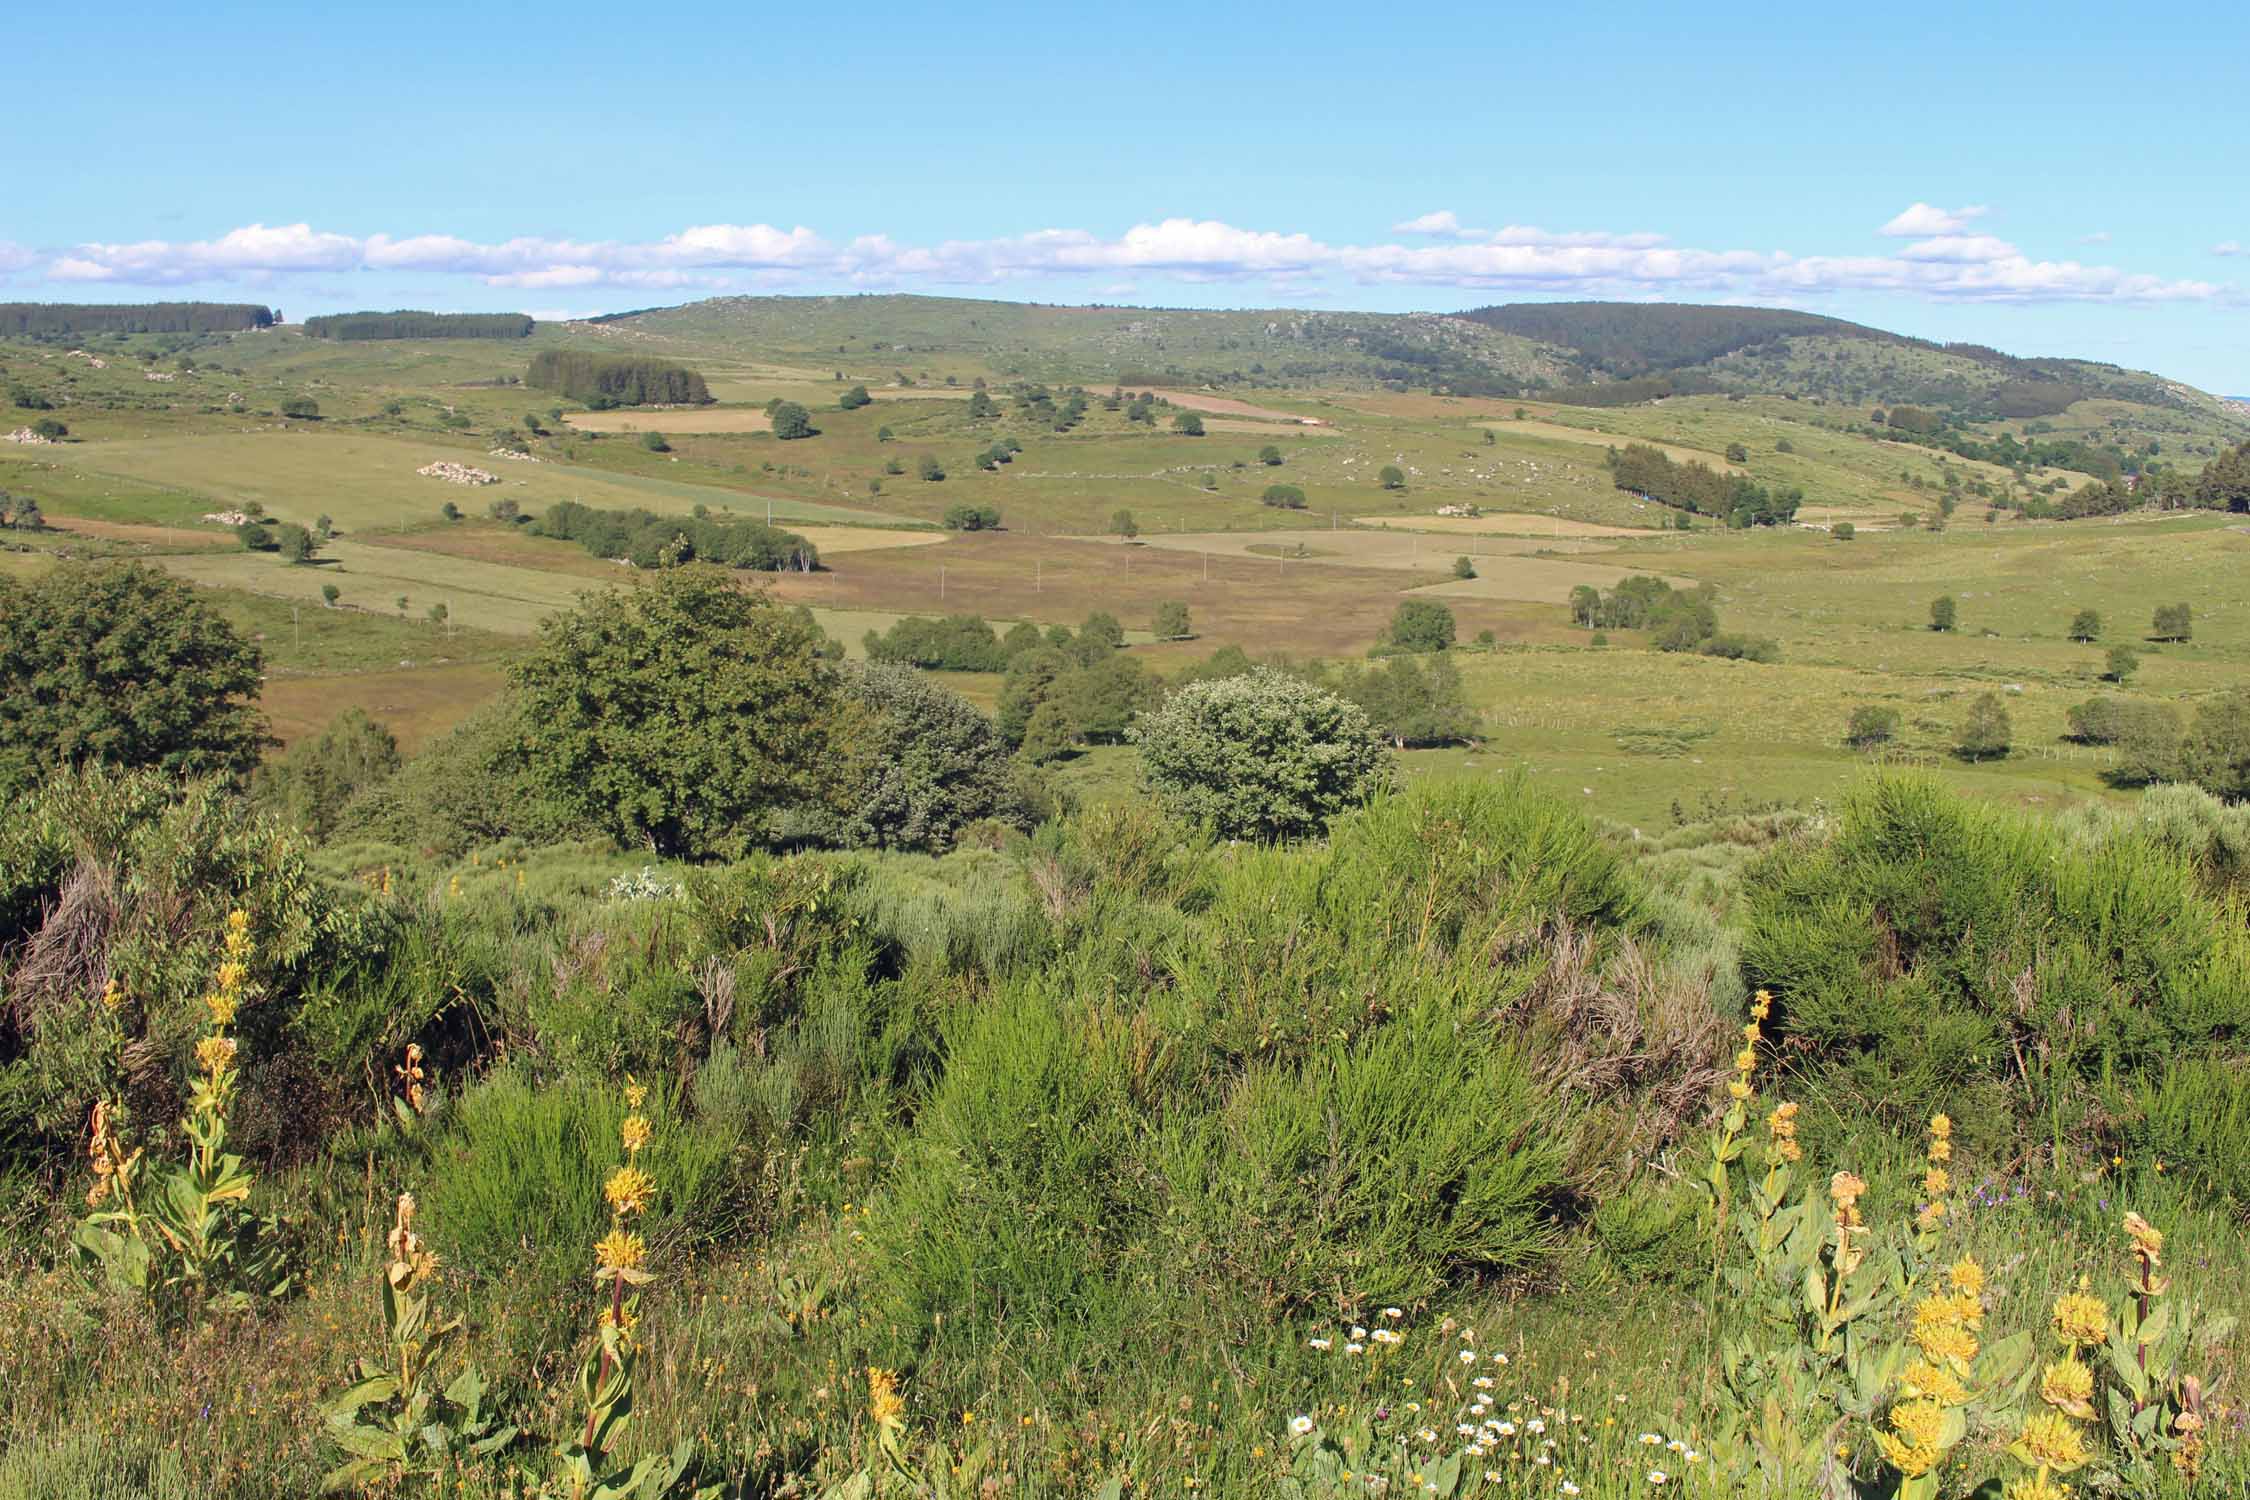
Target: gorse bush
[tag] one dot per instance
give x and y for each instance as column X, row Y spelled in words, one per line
column 1938, row 948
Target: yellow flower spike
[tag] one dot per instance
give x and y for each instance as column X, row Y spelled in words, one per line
column 2038, row 1487
column 2081, row 1319
column 636, row 1093
column 2148, row 1241
column 1966, row 1277
column 2068, row 1386
column 1745, row 1060
column 1737, row 1089
column 112, row 996
column 636, row 1134
column 619, row 1251
column 1937, row 1182
column 629, row 1190
column 224, row 1006
column 1911, row 1446
column 215, row 1054
column 2049, row 1440
column 885, row 1405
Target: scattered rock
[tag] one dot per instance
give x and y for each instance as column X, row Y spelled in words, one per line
column 513, row 457
column 28, row 438
column 228, row 517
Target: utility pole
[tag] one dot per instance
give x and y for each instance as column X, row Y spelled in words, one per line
column 941, row 583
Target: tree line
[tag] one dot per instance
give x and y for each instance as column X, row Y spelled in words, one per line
column 1640, row 469
column 1675, row 619
column 412, row 324
column 34, row 319
column 648, row 540
column 606, row 380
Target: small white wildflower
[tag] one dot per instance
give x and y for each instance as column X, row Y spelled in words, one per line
column 1464, row 1429
column 1651, row 1440
column 1692, row 1456
column 1393, row 1314
column 1499, row 1358
column 1427, row 1434
column 1568, row 1488
column 1657, row 1476
column 1355, row 1348
column 1676, row 1446
column 1542, row 1460
column 1321, row 1344
column 1468, row 1356
column 1536, row 1424
column 1358, row 1332
column 1507, row 1429
column 1482, row 1382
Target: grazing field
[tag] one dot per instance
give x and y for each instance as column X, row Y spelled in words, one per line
column 686, row 419
column 1501, row 523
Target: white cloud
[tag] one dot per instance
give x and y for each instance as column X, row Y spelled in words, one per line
column 2227, row 247
column 1922, row 219
column 1942, row 262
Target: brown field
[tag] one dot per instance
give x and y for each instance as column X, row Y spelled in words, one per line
column 1537, row 580
column 1510, row 524
column 1260, row 604
column 834, row 539
column 415, row 703
column 1227, row 406
column 685, row 419
column 1244, row 424
column 1407, row 551
column 1557, row 432
column 169, row 538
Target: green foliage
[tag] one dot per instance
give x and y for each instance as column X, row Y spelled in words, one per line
column 654, row 442
column 1391, row 477
column 2173, row 622
column 1270, row 456
column 929, row 469
column 1188, row 424
column 361, row 326
column 1871, row 727
column 1938, row 953
column 126, row 666
column 38, row 319
column 1420, row 625
column 1171, row 622
column 2122, row 663
column 606, row 380
column 1123, row 525
column 2086, row 625
column 933, row 764
column 468, row 787
column 1944, row 613
column 50, row 429
column 792, row 421
column 652, row 541
column 1262, row 756
column 310, row 784
column 2216, row 753
column 956, row 643
column 854, row 399
column 1283, row 497
column 1987, row 733
column 1411, row 701
column 683, row 715
column 303, row 407
column 1463, row 568
column 297, row 545
column 1843, row 531
column 970, row 517
column 1648, row 471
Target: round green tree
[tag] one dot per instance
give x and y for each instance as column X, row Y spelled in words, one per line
column 1261, row 756
column 684, row 715
column 125, row 666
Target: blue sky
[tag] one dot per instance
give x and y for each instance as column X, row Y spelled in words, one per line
column 2058, row 179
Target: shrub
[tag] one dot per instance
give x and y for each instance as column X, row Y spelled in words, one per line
column 791, row 421
column 957, row 643
column 303, row 407
column 124, row 666
column 310, row 784
column 50, row 429
column 2123, row 662
column 1871, row 727
column 1987, row 733
column 682, row 715
column 1261, row 756
column 932, row 764
column 1171, row 622
column 1283, row 497
column 1391, row 477
column 1843, row 531
column 1420, row 625
column 1270, row 456
column 1463, row 568
column 1188, row 424
column 1937, row 952
column 1944, row 613
column 2216, row 754
column 2086, row 625
column 854, row 399
column 929, row 468
column 654, row 442
column 2172, row 622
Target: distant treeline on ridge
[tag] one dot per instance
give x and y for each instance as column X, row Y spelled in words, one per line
column 648, row 540
column 33, row 319
column 410, row 324
column 602, row 380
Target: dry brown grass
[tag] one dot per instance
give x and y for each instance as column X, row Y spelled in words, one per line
column 1501, row 525
column 417, row 704
column 686, row 419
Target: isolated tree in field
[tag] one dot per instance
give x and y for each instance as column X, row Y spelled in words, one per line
column 50, row 429
column 1944, row 614
column 854, row 399
column 1270, row 456
column 1585, row 603
column 1123, row 525
column 1171, row 622
column 329, row 594
column 1392, row 477
column 1103, row 626
column 2086, row 625
column 254, row 536
column 882, row 434
column 972, row 518
column 1987, row 735
column 324, row 528
column 1463, row 568
column 1737, row 454
column 1284, row 496
column 302, row 407
column 296, row 543
column 439, row 614
column 2173, row 622
column 792, row 421
column 402, row 603
column 450, row 511
column 982, row 406
column 655, row 442
column 126, row 666
column 684, row 714
column 1420, row 625
column 930, row 469
column 1188, row 424
column 1871, row 727
column 23, row 514
column 2216, row 753
column 1843, row 531
column 2124, row 661
column 1261, row 756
